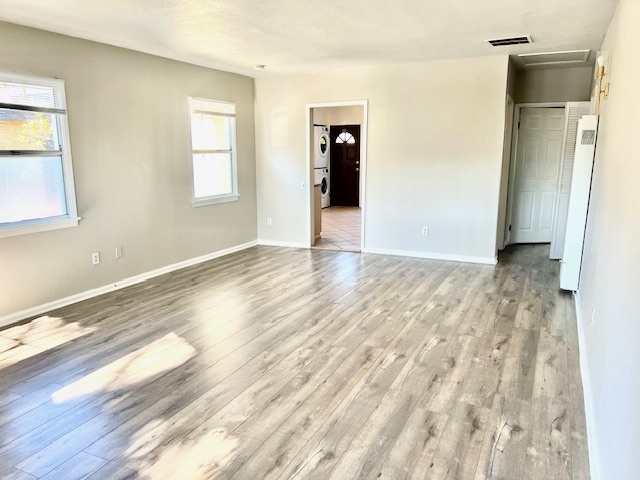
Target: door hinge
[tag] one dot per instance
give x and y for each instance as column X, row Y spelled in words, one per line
column 509, row 227
column 518, row 125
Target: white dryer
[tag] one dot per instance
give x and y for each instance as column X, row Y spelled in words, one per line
column 322, row 179
column 321, row 146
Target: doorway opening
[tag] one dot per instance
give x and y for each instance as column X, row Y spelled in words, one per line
column 536, row 169
column 337, row 135
column 540, row 172
column 340, row 229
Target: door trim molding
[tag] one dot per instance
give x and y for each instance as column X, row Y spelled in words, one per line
column 512, row 163
column 364, row 131
column 501, row 234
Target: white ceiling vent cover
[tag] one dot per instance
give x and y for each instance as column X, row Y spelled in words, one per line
column 554, row 58
column 502, row 42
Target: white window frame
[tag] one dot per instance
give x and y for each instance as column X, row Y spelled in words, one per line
column 71, row 219
column 227, row 197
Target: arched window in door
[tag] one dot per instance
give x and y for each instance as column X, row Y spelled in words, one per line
column 345, row 137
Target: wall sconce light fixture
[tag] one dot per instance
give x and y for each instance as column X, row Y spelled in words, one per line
column 599, row 89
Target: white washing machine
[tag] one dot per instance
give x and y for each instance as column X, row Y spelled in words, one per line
column 321, row 160
column 321, row 146
column 322, row 179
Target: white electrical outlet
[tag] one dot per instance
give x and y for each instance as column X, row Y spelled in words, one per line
column 118, row 252
column 425, row 231
column 95, row 258
column 269, row 221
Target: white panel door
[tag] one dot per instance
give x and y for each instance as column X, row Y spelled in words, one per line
column 538, row 155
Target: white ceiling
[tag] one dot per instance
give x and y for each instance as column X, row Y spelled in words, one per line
column 306, row 35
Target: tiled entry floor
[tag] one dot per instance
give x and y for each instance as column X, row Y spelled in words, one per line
column 340, row 229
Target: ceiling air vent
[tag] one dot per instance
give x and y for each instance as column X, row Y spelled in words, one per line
column 501, row 42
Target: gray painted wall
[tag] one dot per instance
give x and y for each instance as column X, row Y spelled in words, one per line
column 609, row 303
column 130, row 139
column 554, row 85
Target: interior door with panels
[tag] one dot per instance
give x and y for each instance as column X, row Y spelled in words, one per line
column 538, row 155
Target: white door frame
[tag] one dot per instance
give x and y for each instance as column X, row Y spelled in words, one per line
column 501, row 235
column 363, row 164
column 512, row 166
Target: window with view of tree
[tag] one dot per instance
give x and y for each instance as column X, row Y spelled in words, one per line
column 213, row 143
column 36, row 180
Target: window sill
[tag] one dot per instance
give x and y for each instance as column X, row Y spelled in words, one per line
column 35, row 226
column 202, row 202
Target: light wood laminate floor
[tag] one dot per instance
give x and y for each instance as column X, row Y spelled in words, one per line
column 289, row 363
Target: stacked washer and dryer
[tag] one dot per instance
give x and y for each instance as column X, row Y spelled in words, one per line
column 321, row 161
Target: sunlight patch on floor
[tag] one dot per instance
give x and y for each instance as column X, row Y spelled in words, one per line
column 29, row 339
column 234, row 307
column 154, row 359
column 204, row 458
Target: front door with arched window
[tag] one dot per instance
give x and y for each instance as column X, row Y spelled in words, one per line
column 344, row 172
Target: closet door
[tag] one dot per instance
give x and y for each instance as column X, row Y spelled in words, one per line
column 574, row 111
column 537, row 167
column 579, row 203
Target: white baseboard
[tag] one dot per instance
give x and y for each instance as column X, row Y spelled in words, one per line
column 78, row 297
column 587, row 390
column 275, row 243
column 433, row 256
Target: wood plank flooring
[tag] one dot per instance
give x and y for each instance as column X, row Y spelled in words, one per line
column 283, row 363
